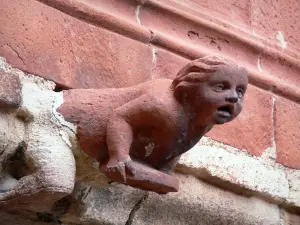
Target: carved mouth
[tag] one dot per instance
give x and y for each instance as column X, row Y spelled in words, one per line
column 225, row 111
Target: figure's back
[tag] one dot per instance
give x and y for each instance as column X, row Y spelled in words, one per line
column 93, row 108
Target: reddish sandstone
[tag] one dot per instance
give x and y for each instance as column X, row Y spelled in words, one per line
column 166, row 64
column 138, row 133
column 287, row 132
column 10, row 90
column 46, row 42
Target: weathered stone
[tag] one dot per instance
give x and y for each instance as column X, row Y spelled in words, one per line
column 290, row 219
column 123, row 9
column 287, row 130
column 109, row 205
column 10, row 90
column 253, row 128
column 19, row 218
column 263, row 19
column 49, row 162
column 12, row 133
column 223, row 164
column 69, row 51
column 138, row 133
column 199, row 203
column 277, row 17
column 55, row 170
column 293, row 177
column 166, row 64
column 72, row 47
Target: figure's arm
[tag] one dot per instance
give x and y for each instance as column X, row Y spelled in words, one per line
column 119, row 134
column 143, row 111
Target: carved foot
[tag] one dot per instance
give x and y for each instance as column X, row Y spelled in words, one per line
column 143, row 177
column 150, row 179
column 115, row 169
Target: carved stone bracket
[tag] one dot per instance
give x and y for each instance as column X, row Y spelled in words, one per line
column 133, row 135
column 139, row 133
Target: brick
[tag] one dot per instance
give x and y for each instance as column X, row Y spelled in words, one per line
column 287, row 130
column 252, row 130
column 10, row 90
column 43, row 41
column 166, row 64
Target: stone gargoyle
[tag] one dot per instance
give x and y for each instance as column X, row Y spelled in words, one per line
column 134, row 135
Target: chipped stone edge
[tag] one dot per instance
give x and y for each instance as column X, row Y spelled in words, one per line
column 210, row 169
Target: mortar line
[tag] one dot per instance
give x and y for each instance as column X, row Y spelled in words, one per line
column 135, row 208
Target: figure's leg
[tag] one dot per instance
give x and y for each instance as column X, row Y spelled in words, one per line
column 119, row 137
column 119, row 134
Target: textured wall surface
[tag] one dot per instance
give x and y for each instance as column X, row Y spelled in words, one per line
column 77, row 43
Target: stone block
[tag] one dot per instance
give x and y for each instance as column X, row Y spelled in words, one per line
column 123, row 9
column 287, row 117
column 202, row 204
column 290, row 219
column 234, row 170
column 21, row 218
column 44, row 41
column 107, row 205
column 10, row 90
column 166, row 64
column 293, row 177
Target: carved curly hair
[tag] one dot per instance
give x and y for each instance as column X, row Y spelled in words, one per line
column 199, row 70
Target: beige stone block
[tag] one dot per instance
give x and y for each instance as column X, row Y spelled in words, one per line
column 201, row 204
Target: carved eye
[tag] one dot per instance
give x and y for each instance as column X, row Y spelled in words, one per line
column 219, row 87
column 240, row 92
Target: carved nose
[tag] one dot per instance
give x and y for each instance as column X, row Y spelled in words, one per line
column 232, row 99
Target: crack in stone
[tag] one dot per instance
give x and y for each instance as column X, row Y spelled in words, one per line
column 84, row 193
column 15, row 52
column 136, row 207
column 274, row 122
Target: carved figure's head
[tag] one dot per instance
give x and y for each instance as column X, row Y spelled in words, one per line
column 214, row 86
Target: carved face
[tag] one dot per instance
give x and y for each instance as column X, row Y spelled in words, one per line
column 221, row 96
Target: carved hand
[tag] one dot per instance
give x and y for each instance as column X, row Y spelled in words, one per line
column 116, row 170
